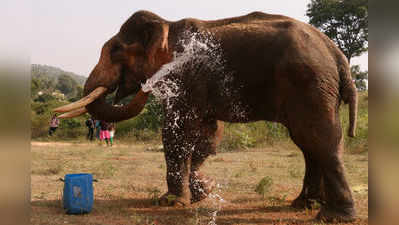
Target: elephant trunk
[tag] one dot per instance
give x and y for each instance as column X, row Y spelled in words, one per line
column 103, row 111
column 104, row 75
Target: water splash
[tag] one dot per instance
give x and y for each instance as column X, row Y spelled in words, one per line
column 198, row 49
column 201, row 54
column 217, row 202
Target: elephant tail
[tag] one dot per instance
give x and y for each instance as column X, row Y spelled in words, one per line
column 348, row 93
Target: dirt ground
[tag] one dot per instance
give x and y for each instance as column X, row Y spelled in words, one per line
column 131, row 178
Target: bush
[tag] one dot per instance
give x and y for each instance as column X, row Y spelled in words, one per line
column 39, row 125
column 146, row 127
column 264, row 186
column 41, row 114
column 151, row 117
column 45, row 97
column 236, row 137
column 249, row 135
column 276, row 133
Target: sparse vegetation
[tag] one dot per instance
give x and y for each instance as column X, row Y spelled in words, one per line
column 264, row 186
column 104, row 170
column 131, row 179
column 277, row 200
column 49, row 170
column 154, row 193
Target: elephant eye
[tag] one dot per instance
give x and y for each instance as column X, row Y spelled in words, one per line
column 117, row 53
column 116, row 47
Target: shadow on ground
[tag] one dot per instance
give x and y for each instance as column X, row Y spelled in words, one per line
column 145, row 212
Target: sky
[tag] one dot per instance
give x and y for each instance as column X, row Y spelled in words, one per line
column 70, row 34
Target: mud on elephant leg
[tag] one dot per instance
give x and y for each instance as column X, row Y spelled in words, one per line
column 313, row 188
column 200, row 185
column 210, row 137
column 187, row 144
column 200, row 137
column 179, row 145
column 177, row 176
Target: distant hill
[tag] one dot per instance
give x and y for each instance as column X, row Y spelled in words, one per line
column 52, row 72
column 48, row 82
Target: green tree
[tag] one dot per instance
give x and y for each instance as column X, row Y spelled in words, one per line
column 34, row 86
column 67, row 85
column 344, row 21
column 361, row 77
column 45, row 83
column 357, row 74
column 78, row 95
column 45, row 97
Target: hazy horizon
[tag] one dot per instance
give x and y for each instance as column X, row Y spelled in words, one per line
column 70, row 34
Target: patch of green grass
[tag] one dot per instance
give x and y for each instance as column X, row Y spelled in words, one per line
column 154, row 194
column 264, row 186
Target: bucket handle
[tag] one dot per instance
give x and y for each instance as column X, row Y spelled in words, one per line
column 62, row 180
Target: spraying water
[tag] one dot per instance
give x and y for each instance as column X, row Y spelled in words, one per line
column 200, row 53
column 217, row 202
column 198, row 48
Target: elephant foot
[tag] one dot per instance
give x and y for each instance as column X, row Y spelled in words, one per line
column 303, row 203
column 200, row 187
column 169, row 199
column 340, row 215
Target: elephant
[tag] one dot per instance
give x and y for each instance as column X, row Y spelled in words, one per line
column 277, row 69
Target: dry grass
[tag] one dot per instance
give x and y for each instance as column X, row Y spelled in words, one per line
column 131, row 178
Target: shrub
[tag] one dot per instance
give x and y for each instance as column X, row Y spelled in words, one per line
column 249, row 135
column 276, row 132
column 41, row 114
column 264, row 186
column 45, row 97
column 154, row 194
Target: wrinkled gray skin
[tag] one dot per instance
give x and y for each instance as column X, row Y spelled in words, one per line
column 282, row 70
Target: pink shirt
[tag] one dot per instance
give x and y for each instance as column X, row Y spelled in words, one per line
column 54, row 122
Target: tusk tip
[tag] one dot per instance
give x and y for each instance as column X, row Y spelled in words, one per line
column 74, row 113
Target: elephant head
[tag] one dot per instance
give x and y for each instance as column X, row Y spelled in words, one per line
column 127, row 60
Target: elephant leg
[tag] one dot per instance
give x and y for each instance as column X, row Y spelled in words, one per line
column 312, row 189
column 179, row 141
column 320, row 138
column 200, row 185
column 187, row 144
column 339, row 203
column 177, row 177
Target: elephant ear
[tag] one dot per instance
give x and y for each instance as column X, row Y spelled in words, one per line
column 152, row 37
column 155, row 41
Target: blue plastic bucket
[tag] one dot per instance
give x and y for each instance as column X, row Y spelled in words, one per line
column 78, row 193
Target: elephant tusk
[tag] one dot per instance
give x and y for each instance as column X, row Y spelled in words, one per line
column 82, row 102
column 74, row 113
